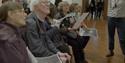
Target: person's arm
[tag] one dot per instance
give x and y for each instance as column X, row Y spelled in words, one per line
column 49, row 33
column 51, row 45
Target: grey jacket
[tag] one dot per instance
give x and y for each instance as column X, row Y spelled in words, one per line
column 37, row 39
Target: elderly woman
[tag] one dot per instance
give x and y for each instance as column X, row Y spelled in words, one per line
column 37, row 31
column 12, row 47
column 76, row 8
column 72, row 38
column 56, row 37
column 63, row 10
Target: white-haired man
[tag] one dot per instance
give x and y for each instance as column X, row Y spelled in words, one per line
column 37, row 39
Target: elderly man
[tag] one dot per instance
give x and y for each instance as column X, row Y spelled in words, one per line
column 37, row 39
column 116, row 20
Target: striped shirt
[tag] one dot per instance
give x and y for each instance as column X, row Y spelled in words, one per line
column 116, row 8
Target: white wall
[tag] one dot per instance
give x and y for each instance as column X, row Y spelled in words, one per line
column 78, row 1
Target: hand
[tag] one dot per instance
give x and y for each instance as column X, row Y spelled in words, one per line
column 84, row 25
column 64, row 55
column 63, row 59
column 70, row 29
column 61, row 54
column 67, row 56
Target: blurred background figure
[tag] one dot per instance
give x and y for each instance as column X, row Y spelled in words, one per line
column 92, row 8
column 25, row 4
column 99, row 9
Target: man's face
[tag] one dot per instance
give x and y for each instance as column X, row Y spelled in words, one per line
column 43, row 7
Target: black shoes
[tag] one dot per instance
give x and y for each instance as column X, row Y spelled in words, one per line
column 110, row 54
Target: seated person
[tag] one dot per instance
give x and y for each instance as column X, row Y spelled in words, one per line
column 56, row 36
column 77, row 42
column 12, row 47
column 37, row 35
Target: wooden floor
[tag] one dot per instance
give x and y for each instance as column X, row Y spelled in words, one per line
column 96, row 50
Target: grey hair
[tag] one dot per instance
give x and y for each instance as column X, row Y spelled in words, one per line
column 61, row 4
column 33, row 3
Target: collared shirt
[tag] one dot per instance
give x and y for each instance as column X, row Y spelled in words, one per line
column 116, row 8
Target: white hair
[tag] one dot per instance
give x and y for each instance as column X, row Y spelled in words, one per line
column 33, row 3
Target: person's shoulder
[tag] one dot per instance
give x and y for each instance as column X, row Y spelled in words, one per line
column 4, row 27
column 30, row 19
column 5, row 32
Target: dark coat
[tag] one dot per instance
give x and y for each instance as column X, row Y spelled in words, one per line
column 66, row 22
column 37, row 39
column 12, row 47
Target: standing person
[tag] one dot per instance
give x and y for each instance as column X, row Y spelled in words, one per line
column 116, row 20
column 37, row 31
column 92, row 8
column 99, row 9
column 12, row 47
